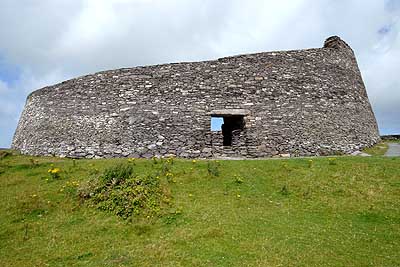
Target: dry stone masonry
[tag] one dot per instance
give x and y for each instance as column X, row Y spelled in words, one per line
column 289, row 103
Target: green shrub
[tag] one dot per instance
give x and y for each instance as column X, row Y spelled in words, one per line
column 120, row 192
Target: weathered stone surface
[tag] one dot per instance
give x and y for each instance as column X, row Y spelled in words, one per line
column 359, row 153
column 229, row 112
column 297, row 103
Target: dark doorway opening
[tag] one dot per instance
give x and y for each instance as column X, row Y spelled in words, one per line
column 233, row 125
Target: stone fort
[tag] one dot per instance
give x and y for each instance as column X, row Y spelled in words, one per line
column 286, row 103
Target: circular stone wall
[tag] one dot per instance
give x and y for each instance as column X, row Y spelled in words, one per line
column 305, row 102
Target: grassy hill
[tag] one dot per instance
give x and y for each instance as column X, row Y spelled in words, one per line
column 341, row 211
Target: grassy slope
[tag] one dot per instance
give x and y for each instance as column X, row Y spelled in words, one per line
column 285, row 213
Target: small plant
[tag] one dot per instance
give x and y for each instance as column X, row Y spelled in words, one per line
column 310, row 163
column 170, row 160
column 238, row 179
column 332, row 161
column 284, row 190
column 54, row 172
column 307, row 193
column 170, row 177
column 285, row 166
column 70, row 188
column 213, row 168
column 165, row 168
column 173, row 217
column 94, row 171
column 132, row 161
column 34, row 162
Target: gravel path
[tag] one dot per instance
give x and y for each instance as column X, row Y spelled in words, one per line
column 394, row 150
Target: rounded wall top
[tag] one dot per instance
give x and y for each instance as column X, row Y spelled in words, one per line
column 336, row 42
column 333, row 42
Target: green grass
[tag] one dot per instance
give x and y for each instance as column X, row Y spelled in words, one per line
column 392, row 141
column 292, row 212
column 377, row 150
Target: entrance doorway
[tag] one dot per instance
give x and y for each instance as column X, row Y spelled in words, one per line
column 228, row 125
column 233, row 125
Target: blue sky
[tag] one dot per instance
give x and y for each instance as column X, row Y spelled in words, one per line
column 45, row 42
column 216, row 123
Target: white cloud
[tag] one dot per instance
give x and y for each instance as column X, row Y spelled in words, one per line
column 54, row 40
